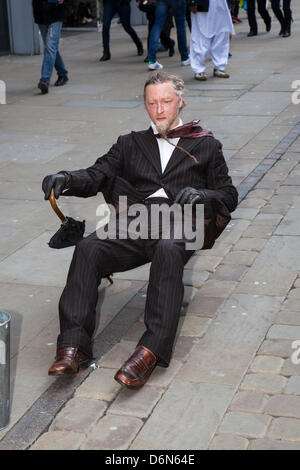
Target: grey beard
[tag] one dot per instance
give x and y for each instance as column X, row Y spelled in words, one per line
column 162, row 129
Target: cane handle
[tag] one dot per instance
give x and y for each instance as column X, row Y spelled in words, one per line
column 54, row 206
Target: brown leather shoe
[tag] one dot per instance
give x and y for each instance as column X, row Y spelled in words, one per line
column 137, row 369
column 68, row 361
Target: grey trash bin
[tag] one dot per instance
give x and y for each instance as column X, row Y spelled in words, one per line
column 4, row 368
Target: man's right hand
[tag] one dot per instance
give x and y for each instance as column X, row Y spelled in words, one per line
column 59, row 182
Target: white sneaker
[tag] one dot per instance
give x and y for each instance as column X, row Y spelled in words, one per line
column 186, row 62
column 200, row 76
column 155, row 66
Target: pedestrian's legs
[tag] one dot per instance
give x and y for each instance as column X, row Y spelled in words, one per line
column 251, row 16
column 109, row 9
column 124, row 12
column 51, row 36
column 199, row 47
column 287, row 17
column 179, row 8
column 60, row 66
column 262, row 10
column 219, row 51
column 161, row 12
column 278, row 13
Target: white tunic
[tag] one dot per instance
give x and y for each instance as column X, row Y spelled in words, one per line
column 217, row 20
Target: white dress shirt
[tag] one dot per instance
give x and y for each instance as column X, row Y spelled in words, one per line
column 165, row 152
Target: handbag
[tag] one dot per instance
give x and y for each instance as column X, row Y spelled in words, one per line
column 147, row 5
column 202, row 5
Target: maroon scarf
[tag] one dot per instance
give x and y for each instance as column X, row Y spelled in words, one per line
column 191, row 129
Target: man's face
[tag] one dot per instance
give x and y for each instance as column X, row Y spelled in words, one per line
column 163, row 105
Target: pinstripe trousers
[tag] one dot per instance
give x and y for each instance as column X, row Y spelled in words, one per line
column 95, row 259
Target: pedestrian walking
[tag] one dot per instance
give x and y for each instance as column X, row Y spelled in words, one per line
column 211, row 29
column 50, row 16
column 284, row 18
column 262, row 10
column 161, row 12
column 167, row 42
column 122, row 7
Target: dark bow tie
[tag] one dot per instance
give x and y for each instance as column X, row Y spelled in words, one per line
column 191, row 129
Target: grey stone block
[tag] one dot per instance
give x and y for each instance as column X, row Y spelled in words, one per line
column 287, row 429
column 267, row 281
column 186, row 417
column 245, row 424
column 112, row 432
column 214, row 360
column 99, row 385
column 284, row 405
column 137, row 403
column 249, row 401
column 244, row 318
column 79, row 415
column 284, row 332
column 267, row 383
column 59, row 440
column 228, row 442
column 293, row 386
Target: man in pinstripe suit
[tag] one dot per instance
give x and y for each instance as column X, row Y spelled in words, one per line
column 145, row 167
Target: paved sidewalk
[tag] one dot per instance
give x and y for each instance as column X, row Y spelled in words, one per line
column 231, row 383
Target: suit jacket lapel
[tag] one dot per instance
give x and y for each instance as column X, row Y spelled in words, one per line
column 148, row 144
column 178, row 156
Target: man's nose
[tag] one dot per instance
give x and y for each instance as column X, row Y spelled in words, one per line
column 160, row 108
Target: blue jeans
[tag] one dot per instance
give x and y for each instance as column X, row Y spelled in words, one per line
column 110, row 8
column 52, row 58
column 179, row 11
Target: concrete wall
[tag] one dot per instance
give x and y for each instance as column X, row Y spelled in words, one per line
column 23, row 32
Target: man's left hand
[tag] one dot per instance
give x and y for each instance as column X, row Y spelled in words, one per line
column 190, row 195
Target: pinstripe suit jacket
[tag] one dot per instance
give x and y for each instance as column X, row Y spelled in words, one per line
column 132, row 168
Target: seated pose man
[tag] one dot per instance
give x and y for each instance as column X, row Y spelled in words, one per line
column 144, row 167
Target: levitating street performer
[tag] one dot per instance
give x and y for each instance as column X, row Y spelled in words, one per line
column 146, row 168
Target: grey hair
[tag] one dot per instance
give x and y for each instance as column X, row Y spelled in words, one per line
column 163, row 77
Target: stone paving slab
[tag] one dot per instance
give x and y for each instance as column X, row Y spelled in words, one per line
column 165, row 429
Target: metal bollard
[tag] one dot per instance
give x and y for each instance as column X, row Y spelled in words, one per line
column 4, row 368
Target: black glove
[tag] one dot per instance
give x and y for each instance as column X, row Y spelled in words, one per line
column 59, row 182
column 191, row 196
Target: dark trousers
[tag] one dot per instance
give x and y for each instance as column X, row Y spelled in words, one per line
column 110, row 8
column 261, row 6
column 95, row 259
column 285, row 17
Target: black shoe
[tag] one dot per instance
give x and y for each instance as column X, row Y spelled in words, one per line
column 286, row 33
column 252, row 33
column 62, row 80
column 43, row 86
column 268, row 26
column 140, row 49
column 172, row 48
column 106, row 56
